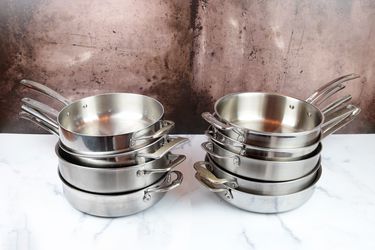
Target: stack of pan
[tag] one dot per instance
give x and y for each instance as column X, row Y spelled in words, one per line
column 263, row 153
column 114, row 150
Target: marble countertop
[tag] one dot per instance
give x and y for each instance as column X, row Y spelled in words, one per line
column 35, row 215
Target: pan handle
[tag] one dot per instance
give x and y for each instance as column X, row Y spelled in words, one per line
column 343, row 121
column 45, row 90
column 336, row 104
column 40, row 116
column 327, row 90
column 166, row 127
column 26, row 116
column 337, row 115
column 205, row 173
column 210, row 118
column 41, row 107
column 212, row 134
column 165, row 186
column 228, row 192
column 172, row 142
column 207, row 146
column 178, row 159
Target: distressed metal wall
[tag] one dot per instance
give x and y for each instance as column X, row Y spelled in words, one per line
column 185, row 53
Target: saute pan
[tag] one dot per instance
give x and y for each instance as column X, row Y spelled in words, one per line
column 106, row 123
column 154, row 150
column 272, row 120
column 281, row 154
column 213, row 172
column 122, row 204
column 261, row 203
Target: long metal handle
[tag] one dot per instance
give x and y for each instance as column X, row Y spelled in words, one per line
column 205, row 173
column 336, row 104
column 333, row 127
column 208, row 147
column 330, row 88
column 338, row 114
column 40, row 116
column 210, row 118
column 45, row 90
column 228, row 191
column 327, row 94
column 41, row 107
column 173, row 142
column 178, row 159
column 26, row 116
column 166, row 186
column 166, row 127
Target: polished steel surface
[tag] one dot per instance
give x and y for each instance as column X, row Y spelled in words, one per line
column 255, row 186
column 276, row 154
column 106, row 123
column 262, row 169
column 258, row 152
column 154, row 150
column 262, row 203
column 116, row 179
column 272, row 120
column 123, row 204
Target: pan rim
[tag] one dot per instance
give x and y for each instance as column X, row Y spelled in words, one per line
column 63, row 111
column 265, row 133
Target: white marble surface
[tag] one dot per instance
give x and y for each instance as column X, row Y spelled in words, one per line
column 35, row 215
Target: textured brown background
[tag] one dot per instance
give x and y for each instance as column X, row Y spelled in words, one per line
column 185, row 53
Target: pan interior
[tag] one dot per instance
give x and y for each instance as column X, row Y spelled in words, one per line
column 111, row 114
column 267, row 112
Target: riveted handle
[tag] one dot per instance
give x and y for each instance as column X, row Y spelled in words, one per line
column 40, row 116
column 336, row 104
column 210, row 118
column 208, row 147
column 26, row 116
column 206, row 174
column 172, row 143
column 332, row 87
column 164, row 130
column 165, row 186
column 343, row 121
column 206, row 184
column 178, row 159
column 45, row 90
column 41, row 107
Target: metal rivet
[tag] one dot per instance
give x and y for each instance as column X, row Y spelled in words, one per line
column 146, row 197
column 140, row 173
column 236, row 161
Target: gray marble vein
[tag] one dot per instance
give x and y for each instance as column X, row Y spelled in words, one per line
column 327, row 193
column 103, row 229
column 288, row 230
column 247, row 240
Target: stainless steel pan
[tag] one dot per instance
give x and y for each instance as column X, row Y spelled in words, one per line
column 261, row 203
column 123, row 204
column 273, row 120
column 279, row 154
column 208, row 169
column 152, row 151
column 107, row 123
column 262, row 169
column 116, row 179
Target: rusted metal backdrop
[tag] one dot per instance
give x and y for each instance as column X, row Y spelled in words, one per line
column 185, row 53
